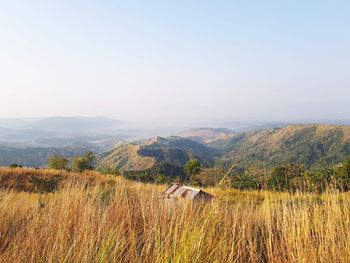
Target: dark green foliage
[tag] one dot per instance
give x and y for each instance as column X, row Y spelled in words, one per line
column 322, row 179
column 170, row 170
column 15, row 165
column 290, row 177
column 163, row 174
column 286, row 177
column 141, row 176
column 345, row 175
column 58, row 162
column 82, row 163
column 192, row 168
column 247, row 181
column 44, row 185
column 294, row 177
column 162, row 179
column 109, row 170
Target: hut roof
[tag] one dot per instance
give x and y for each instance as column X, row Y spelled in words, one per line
column 177, row 190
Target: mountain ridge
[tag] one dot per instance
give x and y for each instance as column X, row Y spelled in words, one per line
column 206, row 135
column 312, row 144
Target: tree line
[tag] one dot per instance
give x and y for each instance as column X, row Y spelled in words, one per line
column 288, row 177
column 292, row 178
column 77, row 164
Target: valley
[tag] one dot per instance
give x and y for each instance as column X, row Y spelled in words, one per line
column 312, row 145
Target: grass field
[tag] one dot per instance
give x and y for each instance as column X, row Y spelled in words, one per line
column 110, row 219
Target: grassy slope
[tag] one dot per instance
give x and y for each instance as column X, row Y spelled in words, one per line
column 125, row 222
column 313, row 145
column 125, row 157
column 172, row 150
column 46, row 180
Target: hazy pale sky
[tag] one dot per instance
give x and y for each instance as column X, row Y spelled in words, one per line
column 176, row 60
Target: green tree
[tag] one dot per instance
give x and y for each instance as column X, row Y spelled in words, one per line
column 82, row 163
column 287, row 177
column 344, row 176
column 109, row 170
column 89, row 159
column 15, row 165
column 192, row 168
column 248, row 180
column 58, row 162
column 323, row 178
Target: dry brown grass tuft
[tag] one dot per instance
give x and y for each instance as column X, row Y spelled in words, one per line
column 125, row 222
column 46, row 180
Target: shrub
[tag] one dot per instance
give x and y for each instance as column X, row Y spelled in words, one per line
column 82, row 163
column 58, row 162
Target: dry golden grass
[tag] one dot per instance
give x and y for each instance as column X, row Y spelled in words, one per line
column 125, row 222
column 38, row 180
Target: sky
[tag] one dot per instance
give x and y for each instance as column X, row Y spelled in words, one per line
column 174, row 61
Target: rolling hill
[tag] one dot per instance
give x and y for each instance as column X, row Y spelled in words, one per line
column 312, row 145
column 125, row 157
column 164, row 154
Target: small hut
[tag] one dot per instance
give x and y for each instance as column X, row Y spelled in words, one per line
column 178, row 191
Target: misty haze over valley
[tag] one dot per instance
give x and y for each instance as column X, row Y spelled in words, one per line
column 20, row 139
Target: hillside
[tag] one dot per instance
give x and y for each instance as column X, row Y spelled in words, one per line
column 164, row 154
column 206, row 135
column 89, row 217
column 312, row 145
column 125, row 157
column 47, row 180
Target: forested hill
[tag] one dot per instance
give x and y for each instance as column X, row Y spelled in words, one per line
column 311, row 145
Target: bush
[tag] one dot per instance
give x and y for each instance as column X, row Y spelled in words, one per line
column 58, row 162
column 82, row 163
column 287, row 177
column 15, row 165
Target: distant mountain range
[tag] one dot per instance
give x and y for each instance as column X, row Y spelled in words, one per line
column 61, row 132
column 206, row 135
column 31, row 141
column 63, row 125
column 311, row 145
